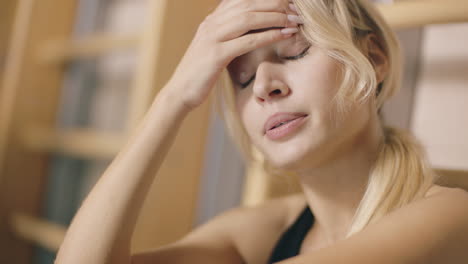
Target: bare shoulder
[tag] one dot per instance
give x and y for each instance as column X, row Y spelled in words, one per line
column 437, row 225
column 442, row 190
column 433, row 229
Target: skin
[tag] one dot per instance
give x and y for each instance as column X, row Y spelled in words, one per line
column 102, row 229
column 332, row 158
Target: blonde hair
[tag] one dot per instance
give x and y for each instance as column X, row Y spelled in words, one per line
column 401, row 173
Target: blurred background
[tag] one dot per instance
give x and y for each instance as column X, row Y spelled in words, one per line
column 77, row 75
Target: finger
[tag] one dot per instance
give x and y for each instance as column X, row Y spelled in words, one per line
column 238, row 26
column 259, row 6
column 293, row 7
column 267, row 6
column 250, row 42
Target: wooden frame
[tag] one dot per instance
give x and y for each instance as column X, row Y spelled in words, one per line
column 29, row 129
column 60, row 51
column 166, row 44
column 23, row 101
column 418, row 13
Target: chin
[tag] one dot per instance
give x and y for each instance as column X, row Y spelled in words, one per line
column 287, row 166
column 292, row 158
column 299, row 154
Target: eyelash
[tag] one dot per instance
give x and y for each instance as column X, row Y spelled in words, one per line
column 297, row 57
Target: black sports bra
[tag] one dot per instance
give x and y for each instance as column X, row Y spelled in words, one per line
column 290, row 242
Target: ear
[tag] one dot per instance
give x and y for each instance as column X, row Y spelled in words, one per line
column 376, row 55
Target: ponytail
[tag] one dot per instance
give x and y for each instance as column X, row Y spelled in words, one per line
column 400, row 175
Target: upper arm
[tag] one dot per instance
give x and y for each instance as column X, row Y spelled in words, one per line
column 430, row 230
column 209, row 243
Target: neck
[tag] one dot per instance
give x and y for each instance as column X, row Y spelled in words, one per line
column 334, row 189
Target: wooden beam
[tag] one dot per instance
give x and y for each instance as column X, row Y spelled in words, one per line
column 170, row 29
column 41, row 232
column 149, row 56
column 6, row 25
column 83, row 143
column 453, row 178
column 60, row 51
column 13, row 61
column 418, row 13
column 29, row 94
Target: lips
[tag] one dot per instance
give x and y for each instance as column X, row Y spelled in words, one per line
column 279, row 118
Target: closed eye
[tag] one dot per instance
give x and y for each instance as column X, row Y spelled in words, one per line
column 301, row 55
column 245, row 85
column 305, row 52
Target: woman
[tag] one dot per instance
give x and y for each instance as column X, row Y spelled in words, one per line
column 305, row 82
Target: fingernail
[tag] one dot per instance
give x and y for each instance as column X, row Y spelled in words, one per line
column 287, row 31
column 296, row 19
column 292, row 7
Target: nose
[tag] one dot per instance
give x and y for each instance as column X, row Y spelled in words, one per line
column 267, row 86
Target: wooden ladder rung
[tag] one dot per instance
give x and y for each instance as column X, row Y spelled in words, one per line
column 453, row 178
column 412, row 13
column 41, row 232
column 59, row 51
column 84, row 143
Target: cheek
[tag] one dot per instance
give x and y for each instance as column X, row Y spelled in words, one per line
column 321, row 77
column 322, row 74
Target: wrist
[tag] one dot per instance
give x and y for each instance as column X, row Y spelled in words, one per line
column 171, row 95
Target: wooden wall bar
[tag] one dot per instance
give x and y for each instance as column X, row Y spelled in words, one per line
column 29, row 95
column 169, row 210
column 6, row 22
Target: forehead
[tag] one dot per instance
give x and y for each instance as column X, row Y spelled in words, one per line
column 283, row 47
